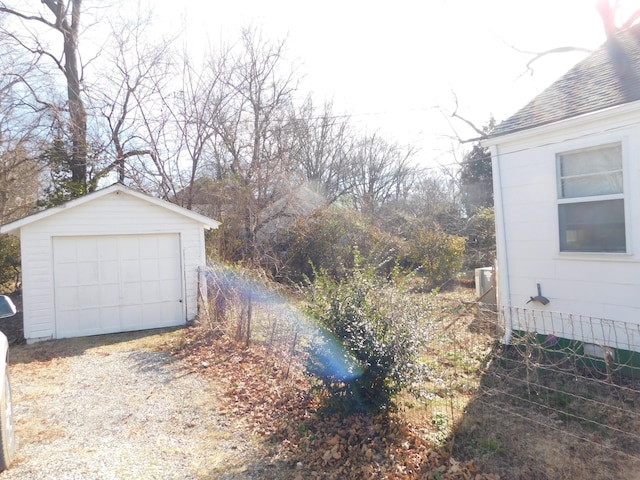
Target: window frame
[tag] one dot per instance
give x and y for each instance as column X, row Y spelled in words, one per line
column 593, row 198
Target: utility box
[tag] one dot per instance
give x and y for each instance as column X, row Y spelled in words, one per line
column 485, row 286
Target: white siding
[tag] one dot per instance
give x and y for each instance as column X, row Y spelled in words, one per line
column 597, row 285
column 113, row 214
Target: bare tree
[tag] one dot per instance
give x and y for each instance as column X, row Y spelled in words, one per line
column 197, row 113
column 127, row 100
column 253, row 140
column 324, row 147
column 614, row 19
column 20, row 133
column 383, row 172
column 62, row 17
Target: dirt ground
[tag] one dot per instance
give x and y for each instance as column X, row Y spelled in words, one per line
column 121, row 407
column 264, row 425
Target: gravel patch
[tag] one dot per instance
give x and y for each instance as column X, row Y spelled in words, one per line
column 103, row 413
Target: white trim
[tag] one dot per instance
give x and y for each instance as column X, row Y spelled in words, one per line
column 117, row 188
column 623, row 142
column 503, row 296
column 596, row 257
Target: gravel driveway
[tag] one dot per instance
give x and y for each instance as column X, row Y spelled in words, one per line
column 111, row 407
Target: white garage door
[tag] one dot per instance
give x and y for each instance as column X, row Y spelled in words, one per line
column 110, row 284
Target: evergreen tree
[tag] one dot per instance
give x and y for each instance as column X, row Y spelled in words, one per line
column 476, row 179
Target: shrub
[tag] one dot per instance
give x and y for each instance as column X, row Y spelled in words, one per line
column 9, row 263
column 437, row 254
column 325, row 241
column 369, row 341
column 481, row 239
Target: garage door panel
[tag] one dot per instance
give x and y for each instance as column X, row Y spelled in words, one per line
column 128, row 248
column 109, row 272
column 87, row 249
column 156, row 311
column 151, row 292
column 88, row 272
column 166, row 272
column 107, row 248
column 161, row 312
column 149, row 248
column 110, row 318
column 66, row 275
column 131, row 270
column 168, row 289
column 66, row 298
column 104, row 286
column 72, row 320
column 90, row 318
column 166, row 246
column 131, row 316
column 65, row 253
column 89, row 296
column 132, row 294
column 109, row 295
column 149, row 269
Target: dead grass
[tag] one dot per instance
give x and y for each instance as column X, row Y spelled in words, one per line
column 458, row 414
column 209, row 441
column 42, row 352
column 462, row 339
column 577, row 432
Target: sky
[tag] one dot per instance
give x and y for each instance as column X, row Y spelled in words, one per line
column 397, row 67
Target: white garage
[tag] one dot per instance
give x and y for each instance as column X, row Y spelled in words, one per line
column 112, row 261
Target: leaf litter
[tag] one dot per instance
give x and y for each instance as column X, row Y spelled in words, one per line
column 275, row 404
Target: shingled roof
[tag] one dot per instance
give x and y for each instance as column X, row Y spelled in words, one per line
column 608, row 77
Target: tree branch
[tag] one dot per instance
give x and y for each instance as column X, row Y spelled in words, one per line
column 538, row 55
column 482, row 134
column 631, row 20
column 22, row 80
column 36, row 18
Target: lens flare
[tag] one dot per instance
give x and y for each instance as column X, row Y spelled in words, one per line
column 326, row 357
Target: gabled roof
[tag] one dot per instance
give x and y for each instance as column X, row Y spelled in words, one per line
column 610, row 76
column 116, row 188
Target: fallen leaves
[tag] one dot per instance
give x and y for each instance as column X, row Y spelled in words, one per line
column 279, row 408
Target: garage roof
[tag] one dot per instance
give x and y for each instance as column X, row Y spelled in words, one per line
column 117, row 188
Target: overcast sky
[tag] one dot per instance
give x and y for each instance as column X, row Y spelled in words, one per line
column 393, row 65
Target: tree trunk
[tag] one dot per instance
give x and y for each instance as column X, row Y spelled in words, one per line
column 77, row 112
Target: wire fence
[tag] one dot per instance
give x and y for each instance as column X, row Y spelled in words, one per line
column 560, row 375
column 236, row 303
column 568, row 375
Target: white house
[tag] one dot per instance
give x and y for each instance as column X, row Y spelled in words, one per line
column 111, row 261
column 566, row 172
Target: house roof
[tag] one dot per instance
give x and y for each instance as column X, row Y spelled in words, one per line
column 116, row 188
column 610, row 76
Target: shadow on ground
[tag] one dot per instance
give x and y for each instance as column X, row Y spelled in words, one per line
column 531, row 420
column 13, row 328
column 21, row 353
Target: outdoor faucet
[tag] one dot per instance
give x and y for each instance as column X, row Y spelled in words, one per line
column 539, row 298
